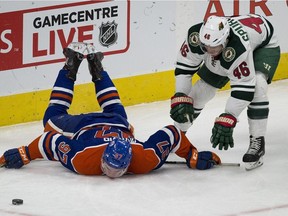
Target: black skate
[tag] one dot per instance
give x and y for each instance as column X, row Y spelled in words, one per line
column 74, row 56
column 253, row 158
column 94, row 62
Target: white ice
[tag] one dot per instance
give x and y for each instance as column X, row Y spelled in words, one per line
column 49, row 189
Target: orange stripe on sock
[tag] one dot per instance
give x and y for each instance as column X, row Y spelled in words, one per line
column 100, row 99
column 60, row 95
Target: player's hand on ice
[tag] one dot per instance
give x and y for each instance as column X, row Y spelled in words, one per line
column 181, row 108
column 202, row 160
column 222, row 132
column 15, row 158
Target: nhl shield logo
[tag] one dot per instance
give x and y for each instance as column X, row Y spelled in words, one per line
column 108, row 33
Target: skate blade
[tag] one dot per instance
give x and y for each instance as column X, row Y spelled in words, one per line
column 91, row 49
column 253, row 165
column 78, row 47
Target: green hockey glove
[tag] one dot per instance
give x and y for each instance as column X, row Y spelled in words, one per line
column 181, row 108
column 222, row 132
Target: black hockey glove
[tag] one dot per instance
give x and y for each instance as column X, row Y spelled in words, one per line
column 15, row 158
column 181, row 108
column 222, row 132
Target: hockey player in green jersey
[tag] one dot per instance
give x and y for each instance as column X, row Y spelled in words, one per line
column 243, row 50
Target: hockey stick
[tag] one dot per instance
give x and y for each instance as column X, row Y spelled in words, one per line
column 222, row 164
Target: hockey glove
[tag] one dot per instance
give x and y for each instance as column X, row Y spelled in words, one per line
column 15, row 158
column 222, row 132
column 181, row 108
column 202, row 160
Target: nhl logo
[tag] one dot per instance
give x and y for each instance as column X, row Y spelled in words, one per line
column 108, row 33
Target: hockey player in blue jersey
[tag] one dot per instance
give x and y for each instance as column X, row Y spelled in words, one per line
column 101, row 142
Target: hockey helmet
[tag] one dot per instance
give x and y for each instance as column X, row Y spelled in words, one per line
column 214, row 32
column 116, row 158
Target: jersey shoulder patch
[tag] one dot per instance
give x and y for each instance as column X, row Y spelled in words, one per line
column 233, row 50
column 193, row 38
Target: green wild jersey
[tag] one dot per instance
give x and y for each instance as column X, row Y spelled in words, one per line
column 248, row 33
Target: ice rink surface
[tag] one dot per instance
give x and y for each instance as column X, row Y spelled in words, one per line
column 49, row 189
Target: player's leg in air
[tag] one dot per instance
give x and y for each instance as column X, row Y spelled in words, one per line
column 106, row 92
column 60, row 101
column 63, row 89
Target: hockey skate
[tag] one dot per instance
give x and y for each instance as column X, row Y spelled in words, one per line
column 94, row 62
column 74, row 55
column 253, row 158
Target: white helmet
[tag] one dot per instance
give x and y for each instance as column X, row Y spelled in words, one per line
column 214, row 31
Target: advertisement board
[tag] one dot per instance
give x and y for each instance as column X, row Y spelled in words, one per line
column 140, row 41
column 33, row 37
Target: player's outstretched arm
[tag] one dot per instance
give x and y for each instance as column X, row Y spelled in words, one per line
column 15, row 158
column 194, row 159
